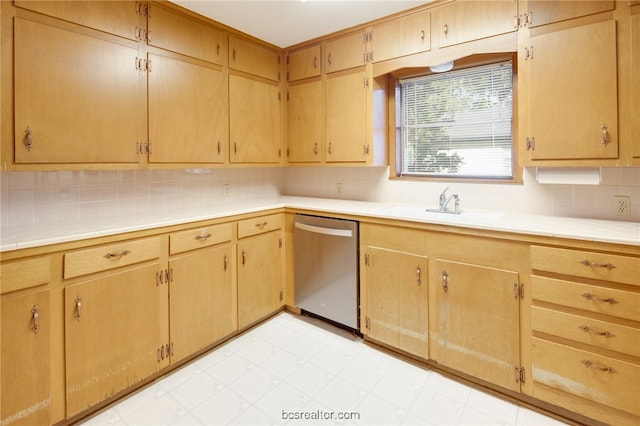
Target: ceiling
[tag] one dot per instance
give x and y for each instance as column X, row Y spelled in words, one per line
column 288, row 22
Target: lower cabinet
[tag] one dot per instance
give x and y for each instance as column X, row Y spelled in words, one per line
column 25, row 358
column 116, row 334
column 202, row 299
column 394, row 288
column 260, row 268
column 478, row 330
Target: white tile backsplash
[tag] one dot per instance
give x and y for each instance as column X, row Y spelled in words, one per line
column 43, row 197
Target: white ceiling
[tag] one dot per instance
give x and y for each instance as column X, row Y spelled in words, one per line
column 288, row 22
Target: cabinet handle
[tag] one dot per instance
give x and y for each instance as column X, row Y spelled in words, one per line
column 117, row 256
column 587, row 262
column 35, row 315
column 28, row 138
column 329, row 58
column 419, row 275
column 261, row 225
column 226, row 262
column 219, row 148
column 609, row 300
column 445, row 29
column 330, row 150
column 445, row 281
column 78, row 313
column 588, row 329
column 596, row 366
column 315, row 148
column 244, row 257
column 315, row 62
column 202, row 237
column 605, row 134
column 233, row 54
column 422, row 35
column 235, row 147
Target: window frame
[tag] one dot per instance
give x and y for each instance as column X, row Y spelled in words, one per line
column 467, row 62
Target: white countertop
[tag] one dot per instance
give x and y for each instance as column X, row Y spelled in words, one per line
column 65, row 231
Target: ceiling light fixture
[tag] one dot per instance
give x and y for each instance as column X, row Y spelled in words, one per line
column 444, row 67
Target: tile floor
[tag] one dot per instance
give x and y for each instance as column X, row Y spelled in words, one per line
column 291, row 367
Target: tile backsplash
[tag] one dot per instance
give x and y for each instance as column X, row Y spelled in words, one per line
column 47, row 197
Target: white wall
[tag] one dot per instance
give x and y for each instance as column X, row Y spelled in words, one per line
column 46, row 197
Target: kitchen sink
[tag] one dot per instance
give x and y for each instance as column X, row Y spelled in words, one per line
column 486, row 217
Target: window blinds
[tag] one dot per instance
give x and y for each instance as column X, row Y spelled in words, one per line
column 456, row 124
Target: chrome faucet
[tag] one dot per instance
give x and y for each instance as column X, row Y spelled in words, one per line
column 444, row 202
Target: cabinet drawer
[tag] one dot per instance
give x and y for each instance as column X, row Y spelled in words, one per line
column 600, row 266
column 111, row 256
column 24, row 274
column 603, row 334
column 198, row 238
column 258, row 225
column 598, row 378
column 617, row 303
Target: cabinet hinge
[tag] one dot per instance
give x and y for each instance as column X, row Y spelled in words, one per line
column 518, row 290
column 147, row 10
column 531, row 144
column 168, row 275
column 279, row 75
column 367, row 37
column 367, row 259
column 279, row 60
column 140, row 8
column 367, row 57
column 159, row 278
column 367, row 323
column 365, row 81
column 366, row 150
column 279, row 242
column 279, row 152
column 520, row 375
column 281, row 295
column 528, row 53
column 287, row 152
column 287, row 74
column 288, row 97
column 528, row 19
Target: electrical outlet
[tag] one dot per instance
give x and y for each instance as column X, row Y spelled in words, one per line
column 621, row 205
column 226, row 190
column 338, row 188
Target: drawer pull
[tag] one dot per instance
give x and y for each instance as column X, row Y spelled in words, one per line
column 419, row 275
column 261, row 225
column 598, row 367
column 35, row 314
column 116, row 256
column 586, row 262
column 588, row 329
column 203, row 237
column 226, row 262
column 609, row 300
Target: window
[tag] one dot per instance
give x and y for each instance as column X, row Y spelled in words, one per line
column 456, row 124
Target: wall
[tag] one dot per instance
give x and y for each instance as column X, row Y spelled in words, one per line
column 46, row 197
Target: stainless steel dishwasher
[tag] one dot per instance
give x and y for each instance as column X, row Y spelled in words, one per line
column 326, row 269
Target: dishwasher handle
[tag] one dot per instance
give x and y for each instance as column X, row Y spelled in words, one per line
column 326, row 231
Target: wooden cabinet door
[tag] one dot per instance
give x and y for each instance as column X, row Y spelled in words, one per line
column 254, row 117
column 304, row 110
column 346, row 117
column 25, row 359
column 478, row 321
column 116, row 334
column 260, row 280
column 178, row 33
column 402, row 36
column 76, row 97
column 188, row 115
column 303, row 63
column 574, row 115
column 203, row 300
column 121, row 18
column 254, row 59
column 397, row 300
column 463, row 21
column 635, row 81
column 345, row 52
column 542, row 12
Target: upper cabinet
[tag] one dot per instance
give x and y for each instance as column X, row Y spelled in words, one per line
column 304, row 63
column 540, row 12
column 80, row 104
column 254, row 59
column 178, row 33
column 344, row 52
column 121, row 18
column 635, row 82
column 572, row 88
column 401, row 36
column 462, row 21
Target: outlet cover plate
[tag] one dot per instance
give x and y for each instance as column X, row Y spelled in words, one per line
column 621, row 205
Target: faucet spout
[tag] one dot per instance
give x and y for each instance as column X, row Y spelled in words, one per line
column 444, row 202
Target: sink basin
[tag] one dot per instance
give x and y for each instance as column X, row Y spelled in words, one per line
column 471, row 217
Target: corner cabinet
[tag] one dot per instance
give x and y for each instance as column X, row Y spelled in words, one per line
column 81, row 103
column 394, row 288
column 260, row 268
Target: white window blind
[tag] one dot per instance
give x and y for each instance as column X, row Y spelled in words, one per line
column 456, row 124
